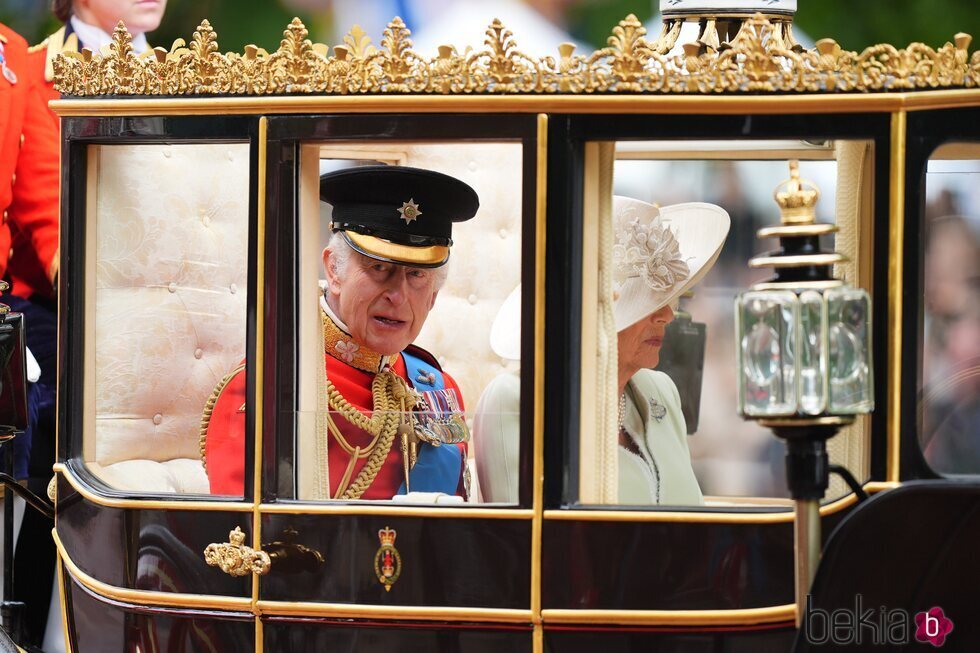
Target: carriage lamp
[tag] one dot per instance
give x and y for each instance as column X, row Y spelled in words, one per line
column 803, row 356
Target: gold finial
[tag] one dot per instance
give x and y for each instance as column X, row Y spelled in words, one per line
column 797, row 198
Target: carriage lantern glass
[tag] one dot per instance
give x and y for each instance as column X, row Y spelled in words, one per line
column 803, row 337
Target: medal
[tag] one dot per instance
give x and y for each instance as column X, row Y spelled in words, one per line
column 7, row 72
column 440, row 419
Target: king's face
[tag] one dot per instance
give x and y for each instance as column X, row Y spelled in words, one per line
column 383, row 304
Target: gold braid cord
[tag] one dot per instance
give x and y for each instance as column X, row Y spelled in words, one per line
column 209, row 409
column 762, row 57
column 389, row 394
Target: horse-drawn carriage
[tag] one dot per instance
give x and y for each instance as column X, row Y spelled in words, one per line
column 192, row 234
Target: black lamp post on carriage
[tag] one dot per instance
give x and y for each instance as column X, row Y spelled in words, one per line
column 803, row 356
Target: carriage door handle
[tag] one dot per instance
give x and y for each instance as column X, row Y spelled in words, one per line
column 236, row 559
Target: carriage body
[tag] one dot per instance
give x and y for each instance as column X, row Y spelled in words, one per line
column 190, row 225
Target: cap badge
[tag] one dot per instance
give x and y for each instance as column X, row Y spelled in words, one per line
column 410, row 211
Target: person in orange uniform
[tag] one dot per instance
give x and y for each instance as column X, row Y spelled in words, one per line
column 29, row 180
column 32, row 239
column 395, row 422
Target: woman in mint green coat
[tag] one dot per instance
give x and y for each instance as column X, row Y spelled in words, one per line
column 658, row 254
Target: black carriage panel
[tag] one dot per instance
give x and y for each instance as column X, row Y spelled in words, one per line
column 101, row 624
column 689, row 562
column 151, row 550
column 287, row 635
column 582, row 639
column 591, row 565
column 474, row 563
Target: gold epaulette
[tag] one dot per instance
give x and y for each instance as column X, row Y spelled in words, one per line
column 209, row 408
column 56, row 44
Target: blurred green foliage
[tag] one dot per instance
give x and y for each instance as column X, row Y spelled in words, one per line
column 238, row 23
column 855, row 24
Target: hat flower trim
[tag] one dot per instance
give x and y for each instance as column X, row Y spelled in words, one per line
column 651, row 252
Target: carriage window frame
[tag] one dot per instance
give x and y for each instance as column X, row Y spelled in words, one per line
column 705, row 129
column 76, row 286
column 288, row 138
column 954, row 145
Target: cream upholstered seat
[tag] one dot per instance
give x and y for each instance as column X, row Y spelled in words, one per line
column 167, row 249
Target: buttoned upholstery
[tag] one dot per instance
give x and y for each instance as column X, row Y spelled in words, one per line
column 170, row 233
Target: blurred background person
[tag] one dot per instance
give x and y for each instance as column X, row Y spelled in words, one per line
column 950, row 404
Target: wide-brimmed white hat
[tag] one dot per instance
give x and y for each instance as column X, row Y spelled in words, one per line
column 660, row 252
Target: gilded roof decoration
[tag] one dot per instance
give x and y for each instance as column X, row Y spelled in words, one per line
column 762, row 57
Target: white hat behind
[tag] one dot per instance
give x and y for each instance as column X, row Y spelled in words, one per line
column 659, row 253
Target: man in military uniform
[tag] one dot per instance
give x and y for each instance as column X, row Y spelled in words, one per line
column 395, row 423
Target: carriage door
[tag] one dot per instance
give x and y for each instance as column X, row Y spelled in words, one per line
column 682, row 536
column 438, row 572
column 157, row 292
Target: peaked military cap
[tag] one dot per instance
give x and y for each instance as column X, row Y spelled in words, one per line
column 396, row 213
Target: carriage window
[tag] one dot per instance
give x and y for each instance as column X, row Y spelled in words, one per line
column 409, row 327
column 167, row 250
column 669, row 269
column 950, row 383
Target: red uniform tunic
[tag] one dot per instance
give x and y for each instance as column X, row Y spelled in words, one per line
column 225, row 434
column 29, row 148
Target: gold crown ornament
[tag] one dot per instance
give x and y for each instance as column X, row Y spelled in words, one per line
column 797, row 198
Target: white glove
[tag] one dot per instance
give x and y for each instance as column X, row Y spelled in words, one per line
column 427, row 497
column 33, row 369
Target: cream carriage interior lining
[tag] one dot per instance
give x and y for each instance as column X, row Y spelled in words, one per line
column 168, row 251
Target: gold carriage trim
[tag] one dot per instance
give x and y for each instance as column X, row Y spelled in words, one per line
column 762, row 57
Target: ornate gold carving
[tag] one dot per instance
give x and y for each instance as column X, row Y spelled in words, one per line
column 236, row 559
column 762, row 57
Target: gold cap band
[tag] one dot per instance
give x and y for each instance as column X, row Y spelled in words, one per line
column 385, row 250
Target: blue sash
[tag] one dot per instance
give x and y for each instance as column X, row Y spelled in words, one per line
column 437, row 469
